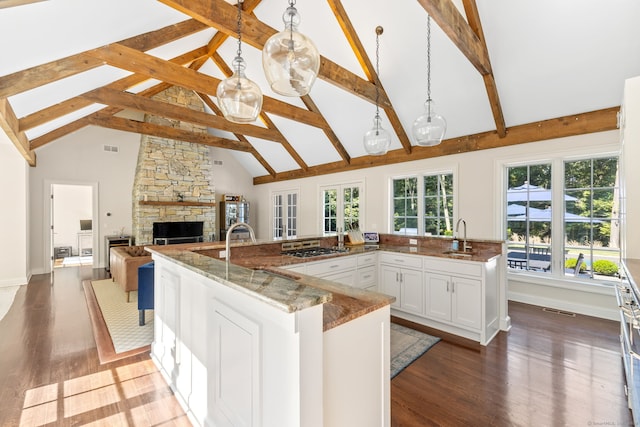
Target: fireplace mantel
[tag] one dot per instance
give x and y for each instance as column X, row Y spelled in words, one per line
column 169, row 203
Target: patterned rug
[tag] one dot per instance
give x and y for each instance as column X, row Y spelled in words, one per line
column 116, row 321
column 406, row 346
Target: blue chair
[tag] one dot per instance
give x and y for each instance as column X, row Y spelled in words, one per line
column 145, row 289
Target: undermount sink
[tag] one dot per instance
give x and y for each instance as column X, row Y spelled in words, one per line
column 457, row 253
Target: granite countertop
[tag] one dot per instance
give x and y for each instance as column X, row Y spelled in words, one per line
column 257, row 272
column 282, row 289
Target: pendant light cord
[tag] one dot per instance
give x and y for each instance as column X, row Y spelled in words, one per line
column 239, row 51
column 378, row 32
column 428, row 58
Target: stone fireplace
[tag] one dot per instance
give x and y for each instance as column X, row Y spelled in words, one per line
column 172, row 181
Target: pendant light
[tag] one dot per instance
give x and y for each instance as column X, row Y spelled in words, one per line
column 290, row 60
column 429, row 128
column 239, row 98
column 377, row 140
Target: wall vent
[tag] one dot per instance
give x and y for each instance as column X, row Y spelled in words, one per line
column 111, row 148
column 217, row 162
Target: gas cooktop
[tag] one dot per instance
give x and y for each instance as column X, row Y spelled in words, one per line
column 311, row 252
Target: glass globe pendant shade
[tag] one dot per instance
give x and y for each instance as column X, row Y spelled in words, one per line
column 428, row 129
column 290, row 60
column 239, row 98
column 377, row 140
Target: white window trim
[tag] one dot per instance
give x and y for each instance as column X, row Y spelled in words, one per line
column 453, row 170
column 340, row 217
column 556, row 278
column 285, row 217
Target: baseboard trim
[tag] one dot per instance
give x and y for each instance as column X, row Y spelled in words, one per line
column 586, row 310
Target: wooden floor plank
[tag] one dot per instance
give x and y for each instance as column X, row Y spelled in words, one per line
column 549, row 370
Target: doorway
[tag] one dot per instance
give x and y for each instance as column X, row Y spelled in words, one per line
column 73, row 226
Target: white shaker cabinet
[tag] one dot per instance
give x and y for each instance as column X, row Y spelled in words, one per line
column 401, row 276
column 453, row 299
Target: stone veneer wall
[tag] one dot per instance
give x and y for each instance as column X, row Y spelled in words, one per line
column 169, row 169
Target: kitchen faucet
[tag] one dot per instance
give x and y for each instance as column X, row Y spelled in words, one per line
column 464, row 243
column 234, row 226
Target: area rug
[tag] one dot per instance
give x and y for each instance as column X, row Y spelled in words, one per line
column 7, row 295
column 406, row 346
column 115, row 321
column 75, row 261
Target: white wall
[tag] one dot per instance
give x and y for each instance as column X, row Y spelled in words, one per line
column 230, row 177
column 14, row 214
column 80, row 158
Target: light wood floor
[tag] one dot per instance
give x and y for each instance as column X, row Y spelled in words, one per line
column 549, row 370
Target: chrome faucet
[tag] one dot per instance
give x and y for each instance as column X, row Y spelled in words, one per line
column 464, row 243
column 227, row 254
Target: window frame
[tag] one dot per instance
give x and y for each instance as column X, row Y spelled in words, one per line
column 285, row 214
column 339, row 188
column 420, row 175
column 557, row 277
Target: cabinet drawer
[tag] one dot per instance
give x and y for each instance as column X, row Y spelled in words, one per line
column 343, row 277
column 401, row 260
column 367, row 259
column 453, row 267
column 367, row 277
column 331, row 265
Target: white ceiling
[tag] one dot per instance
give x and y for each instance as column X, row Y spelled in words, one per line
column 550, row 58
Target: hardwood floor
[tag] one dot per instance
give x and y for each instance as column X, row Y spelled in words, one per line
column 549, row 370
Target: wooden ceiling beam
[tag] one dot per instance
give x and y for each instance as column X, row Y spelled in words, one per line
column 40, row 75
column 164, row 109
column 369, row 70
column 74, row 104
column 449, row 19
column 9, row 124
column 142, row 63
column 578, row 124
column 205, row 98
column 328, row 131
column 266, row 120
column 160, row 131
column 471, row 10
column 223, row 16
column 469, row 38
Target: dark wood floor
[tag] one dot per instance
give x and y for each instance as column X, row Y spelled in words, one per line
column 549, row 370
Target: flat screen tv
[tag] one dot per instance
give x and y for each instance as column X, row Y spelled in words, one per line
column 85, row 225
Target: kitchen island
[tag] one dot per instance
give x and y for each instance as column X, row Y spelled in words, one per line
column 246, row 347
column 271, row 339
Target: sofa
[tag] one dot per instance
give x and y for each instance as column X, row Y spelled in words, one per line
column 124, row 262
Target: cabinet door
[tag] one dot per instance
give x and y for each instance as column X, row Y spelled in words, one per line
column 390, row 283
column 412, row 291
column 438, row 298
column 467, row 302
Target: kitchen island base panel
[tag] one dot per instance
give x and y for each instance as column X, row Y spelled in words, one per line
column 234, row 359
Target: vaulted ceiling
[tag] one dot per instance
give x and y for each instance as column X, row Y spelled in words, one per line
column 504, row 72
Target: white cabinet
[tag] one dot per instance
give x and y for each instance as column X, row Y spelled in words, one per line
column 351, row 270
column 456, row 296
column 367, row 277
column 401, row 277
column 453, row 299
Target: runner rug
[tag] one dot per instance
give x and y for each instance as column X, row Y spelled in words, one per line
column 115, row 321
column 406, row 346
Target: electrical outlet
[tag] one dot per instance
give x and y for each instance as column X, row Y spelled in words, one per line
column 413, row 241
column 222, row 254
column 413, row 249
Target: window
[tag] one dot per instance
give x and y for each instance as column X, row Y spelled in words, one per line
column 341, row 208
column 423, row 205
column 529, row 198
column 591, row 221
column 564, row 214
column 285, row 215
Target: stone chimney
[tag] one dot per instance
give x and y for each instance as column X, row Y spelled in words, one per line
column 173, row 178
